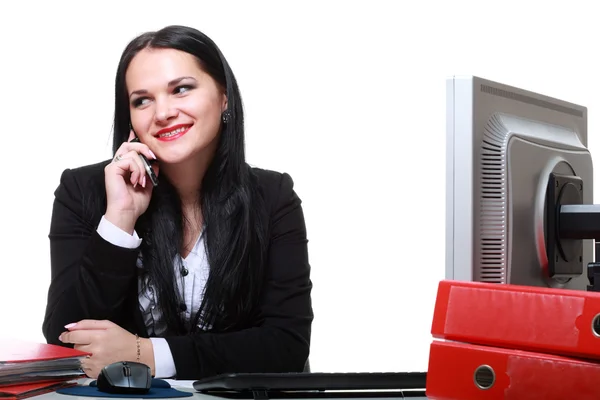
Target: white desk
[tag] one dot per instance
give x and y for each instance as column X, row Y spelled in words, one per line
column 186, row 386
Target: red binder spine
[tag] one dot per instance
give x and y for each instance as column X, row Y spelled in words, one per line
column 555, row 321
column 460, row 371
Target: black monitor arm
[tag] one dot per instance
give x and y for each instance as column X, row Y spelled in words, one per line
column 593, row 272
column 568, row 223
column 582, row 221
column 579, row 221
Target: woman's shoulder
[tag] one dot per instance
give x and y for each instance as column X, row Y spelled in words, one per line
column 82, row 189
column 271, row 181
column 276, row 187
column 84, row 177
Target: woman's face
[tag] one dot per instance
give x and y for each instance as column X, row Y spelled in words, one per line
column 175, row 106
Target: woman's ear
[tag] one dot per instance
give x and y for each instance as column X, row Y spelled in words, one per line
column 224, row 103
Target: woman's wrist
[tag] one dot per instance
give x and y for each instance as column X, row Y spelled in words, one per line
column 146, row 355
column 123, row 220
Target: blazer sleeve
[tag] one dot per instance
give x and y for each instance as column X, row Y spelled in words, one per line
column 90, row 277
column 281, row 343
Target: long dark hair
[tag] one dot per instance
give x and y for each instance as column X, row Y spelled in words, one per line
column 233, row 211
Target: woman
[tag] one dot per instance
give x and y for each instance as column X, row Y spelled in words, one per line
column 205, row 273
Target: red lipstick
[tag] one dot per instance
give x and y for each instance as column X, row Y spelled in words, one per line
column 180, row 130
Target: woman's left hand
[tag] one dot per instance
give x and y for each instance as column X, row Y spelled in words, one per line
column 104, row 340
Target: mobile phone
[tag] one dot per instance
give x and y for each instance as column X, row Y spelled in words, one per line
column 147, row 166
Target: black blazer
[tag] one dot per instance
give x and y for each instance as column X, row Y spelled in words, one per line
column 93, row 279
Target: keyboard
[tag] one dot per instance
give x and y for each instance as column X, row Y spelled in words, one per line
column 312, row 381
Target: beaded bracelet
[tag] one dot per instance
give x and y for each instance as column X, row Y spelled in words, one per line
column 137, row 340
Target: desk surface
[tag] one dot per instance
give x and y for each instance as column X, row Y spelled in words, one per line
column 186, row 386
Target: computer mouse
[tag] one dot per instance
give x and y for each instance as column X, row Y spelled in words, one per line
column 125, row 377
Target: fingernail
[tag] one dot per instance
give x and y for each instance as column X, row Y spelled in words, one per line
column 60, row 337
column 144, row 181
column 70, row 325
column 152, row 154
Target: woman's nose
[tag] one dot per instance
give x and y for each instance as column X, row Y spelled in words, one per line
column 164, row 111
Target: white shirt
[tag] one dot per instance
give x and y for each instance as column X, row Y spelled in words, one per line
column 191, row 288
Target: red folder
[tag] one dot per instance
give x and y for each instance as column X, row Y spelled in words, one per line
column 456, row 369
column 23, row 362
column 554, row 321
column 32, row 389
column 18, row 351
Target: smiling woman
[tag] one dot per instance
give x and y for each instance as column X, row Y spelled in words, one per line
column 205, row 273
column 173, row 101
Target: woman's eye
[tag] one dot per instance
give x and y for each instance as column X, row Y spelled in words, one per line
column 140, row 101
column 182, row 89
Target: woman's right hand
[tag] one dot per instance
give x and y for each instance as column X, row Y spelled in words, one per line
column 128, row 188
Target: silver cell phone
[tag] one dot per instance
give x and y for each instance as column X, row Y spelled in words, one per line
column 149, row 170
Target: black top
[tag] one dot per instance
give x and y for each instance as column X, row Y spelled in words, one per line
column 94, row 279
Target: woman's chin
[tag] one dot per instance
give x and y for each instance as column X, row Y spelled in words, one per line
column 175, row 159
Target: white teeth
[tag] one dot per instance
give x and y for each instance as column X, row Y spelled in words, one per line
column 175, row 132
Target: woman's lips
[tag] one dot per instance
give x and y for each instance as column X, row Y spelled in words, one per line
column 173, row 132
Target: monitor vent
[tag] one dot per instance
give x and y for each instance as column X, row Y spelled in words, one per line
column 530, row 100
column 492, row 218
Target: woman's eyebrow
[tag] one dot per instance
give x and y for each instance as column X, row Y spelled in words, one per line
column 171, row 83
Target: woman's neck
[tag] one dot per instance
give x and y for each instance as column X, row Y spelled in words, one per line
column 187, row 177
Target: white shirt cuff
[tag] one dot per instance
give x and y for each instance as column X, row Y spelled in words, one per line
column 164, row 366
column 115, row 235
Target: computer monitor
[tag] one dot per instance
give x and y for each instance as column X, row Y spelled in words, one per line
column 519, row 187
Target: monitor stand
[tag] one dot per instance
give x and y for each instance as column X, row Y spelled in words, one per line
column 593, row 270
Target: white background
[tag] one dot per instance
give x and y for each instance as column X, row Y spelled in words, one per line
column 347, row 97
